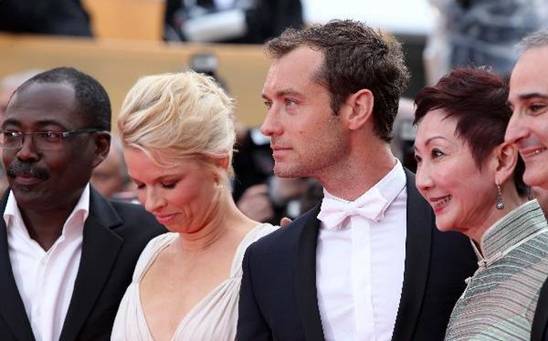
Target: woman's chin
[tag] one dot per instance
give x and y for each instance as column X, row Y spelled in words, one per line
column 443, row 225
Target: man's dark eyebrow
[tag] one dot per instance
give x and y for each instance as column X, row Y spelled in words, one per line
column 290, row 92
column 50, row 122
column 533, row 95
column 10, row 121
column 281, row 93
column 41, row 123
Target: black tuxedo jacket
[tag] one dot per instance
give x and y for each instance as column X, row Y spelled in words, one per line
column 540, row 322
column 278, row 298
column 114, row 235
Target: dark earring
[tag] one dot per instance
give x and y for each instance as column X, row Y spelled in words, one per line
column 500, row 202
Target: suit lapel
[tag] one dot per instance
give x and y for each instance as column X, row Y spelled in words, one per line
column 417, row 260
column 100, row 249
column 12, row 309
column 540, row 321
column 305, row 277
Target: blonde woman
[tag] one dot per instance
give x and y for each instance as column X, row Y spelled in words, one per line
column 178, row 136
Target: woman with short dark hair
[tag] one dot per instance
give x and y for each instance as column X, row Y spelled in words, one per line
column 472, row 180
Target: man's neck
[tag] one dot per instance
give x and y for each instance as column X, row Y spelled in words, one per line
column 358, row 175
column 45, row 226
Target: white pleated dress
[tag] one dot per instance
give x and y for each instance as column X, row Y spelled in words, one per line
column 213, row 318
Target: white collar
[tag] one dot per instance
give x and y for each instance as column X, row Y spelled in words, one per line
column 372, row 204
column 390, row 186
column 13, row 218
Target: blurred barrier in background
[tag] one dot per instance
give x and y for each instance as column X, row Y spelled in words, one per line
column 126, row 19
column 117, row 64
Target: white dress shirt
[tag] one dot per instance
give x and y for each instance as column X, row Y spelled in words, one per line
column 45, row 279
column 360, row 265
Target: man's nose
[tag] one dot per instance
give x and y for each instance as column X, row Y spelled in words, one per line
column 271, row 125
column 512, row 130
column 28, row 149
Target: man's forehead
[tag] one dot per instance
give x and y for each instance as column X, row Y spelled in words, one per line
column 47, row 92
column 44, row 93
column 529, row 79
column 302, row 57
column 297, row 68
column 42, row 104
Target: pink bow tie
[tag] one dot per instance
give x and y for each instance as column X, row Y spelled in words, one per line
column 333, row 212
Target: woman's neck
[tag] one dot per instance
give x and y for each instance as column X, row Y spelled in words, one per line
column 511, row 199
column 221, row 222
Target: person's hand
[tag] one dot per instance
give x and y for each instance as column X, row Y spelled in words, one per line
column 285, row 221
column 256, row 204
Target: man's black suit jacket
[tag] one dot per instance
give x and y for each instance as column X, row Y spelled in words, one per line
column 278, row 298
column 114, row 235
column 539, row 330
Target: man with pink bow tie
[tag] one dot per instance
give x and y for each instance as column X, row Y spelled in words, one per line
column 368, row 263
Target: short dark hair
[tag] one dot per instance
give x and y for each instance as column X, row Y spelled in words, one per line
column 355, row 57
column 91, row 97
column 477, row 99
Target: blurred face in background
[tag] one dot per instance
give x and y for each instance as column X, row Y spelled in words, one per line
column 5, row 94
column 109, row 176
column 461, row 194
column 4, row 97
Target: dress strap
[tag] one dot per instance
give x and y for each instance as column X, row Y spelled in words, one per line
column 151, row 252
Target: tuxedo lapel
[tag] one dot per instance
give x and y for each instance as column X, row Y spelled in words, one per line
column 417, row 260
column 540, row 320
column 100, row 249
column 12, row 309
column 305, row 277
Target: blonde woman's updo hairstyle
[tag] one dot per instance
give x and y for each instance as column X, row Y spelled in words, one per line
column 175, row 116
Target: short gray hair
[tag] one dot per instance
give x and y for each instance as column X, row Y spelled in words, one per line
column 534, row 40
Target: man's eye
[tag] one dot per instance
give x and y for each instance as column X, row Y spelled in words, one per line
column 11, row 134
column 534, row 108
column 290, row 102
column 51, row 136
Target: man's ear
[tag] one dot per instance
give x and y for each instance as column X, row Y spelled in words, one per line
column 359, row 108
column 507, row 158
column 102, row 147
